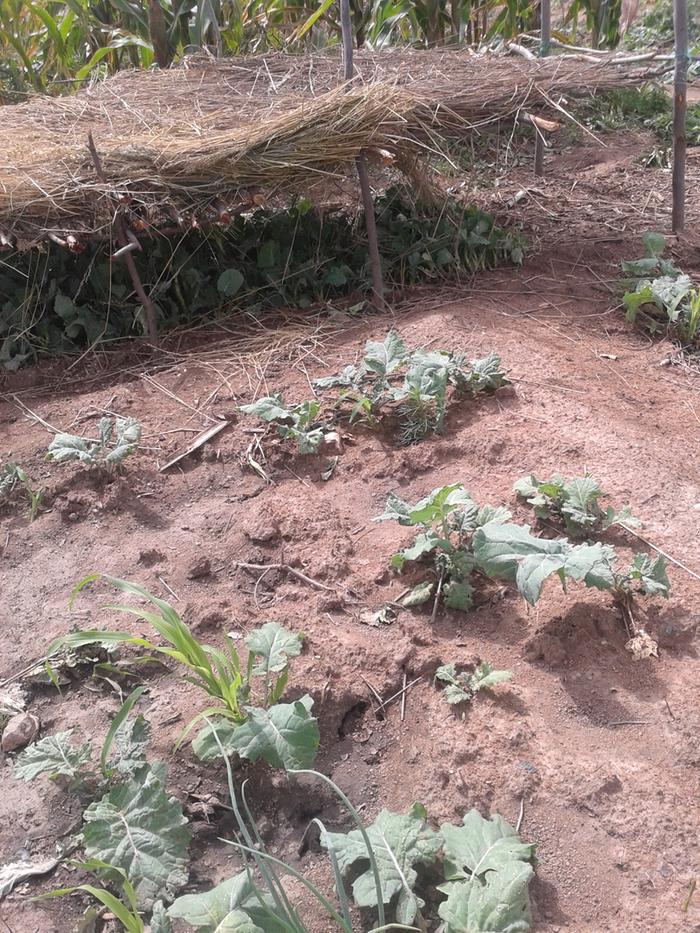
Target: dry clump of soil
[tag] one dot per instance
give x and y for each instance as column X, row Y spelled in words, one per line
column 600, row 751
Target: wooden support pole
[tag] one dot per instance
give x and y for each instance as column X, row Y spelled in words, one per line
column 362, row 173
column 545, row 43
column 680, row 106
column 123, row 239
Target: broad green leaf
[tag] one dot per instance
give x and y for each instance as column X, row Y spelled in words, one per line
column 669, row 291
column 66, row 447
column 53, row 755
column 479, row 846
column 624, row 516
column 580, row 505
column 160, row 922
column 385, row 357
column 229, row 282
column 458, row 595
column 497, row 904
column 438, row 504
column 129, row 746
column 635, row 300
column 345, row 378
column 498, row 514
column 274, row 645
column 231, row 902
column 128, row 434
column 270, row 408
column 651, row 574
column 425, row 542
column 285, row 735
column 399, row 843
column 654, row 243
column 205, row 745
column 640, row 267
column 420, row 594
column 139, row 830
column 485, row 676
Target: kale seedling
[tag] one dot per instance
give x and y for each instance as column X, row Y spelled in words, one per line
column 573, row 502
column 118, row 439
column 461, row 687
column 299, row 423
column 447, row 519
column 13, row 477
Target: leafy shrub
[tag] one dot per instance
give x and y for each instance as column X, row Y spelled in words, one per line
column 283, row 734
column 660, row 293
column 265, row 259
column 574, row 502
column 117, row 439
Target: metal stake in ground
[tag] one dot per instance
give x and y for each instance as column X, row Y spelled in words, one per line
column 361, row 163
column 680, row 106
column 126, row 246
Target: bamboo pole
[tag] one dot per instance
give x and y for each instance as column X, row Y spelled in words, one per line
column 362, row 174
column 680, row 106
column 545, row 43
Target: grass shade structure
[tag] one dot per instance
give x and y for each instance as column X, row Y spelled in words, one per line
column 191, row 145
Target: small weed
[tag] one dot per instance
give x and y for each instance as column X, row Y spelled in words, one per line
column 118, row 439
column 573, row 502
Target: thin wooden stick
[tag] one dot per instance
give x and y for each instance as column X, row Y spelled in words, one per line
column 362, row 174
column 680, row 106
column 123, row 239
column 288, row 569
column 403, row 697
column 659, row 551
column 545, row 42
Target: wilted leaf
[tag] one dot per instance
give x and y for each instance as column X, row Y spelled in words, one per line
column 419, row 594
column 642, row 646
column 399, row 843
column 140, row 830
column 345, row 378
column 275, row 646
column 53, row 755
column 66, row 447
column 385, row 615
column 15, row 873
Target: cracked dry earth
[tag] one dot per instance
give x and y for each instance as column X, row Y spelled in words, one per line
column 600, row 751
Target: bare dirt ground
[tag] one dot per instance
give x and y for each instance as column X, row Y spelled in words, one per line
column 600, row 751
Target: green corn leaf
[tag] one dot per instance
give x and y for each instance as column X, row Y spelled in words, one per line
column 399, row 843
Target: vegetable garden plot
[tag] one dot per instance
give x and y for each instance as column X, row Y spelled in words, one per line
column 558, row 739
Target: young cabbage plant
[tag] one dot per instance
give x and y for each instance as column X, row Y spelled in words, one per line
column 447, row 518
column 283, row 734
column 12, row 479
column 299, row 423
column 573, row 502
column 412, row 385
column 660, row 293
column 117, row 439
column 461, row 686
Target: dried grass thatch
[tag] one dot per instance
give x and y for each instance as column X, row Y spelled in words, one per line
column 208, row 137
